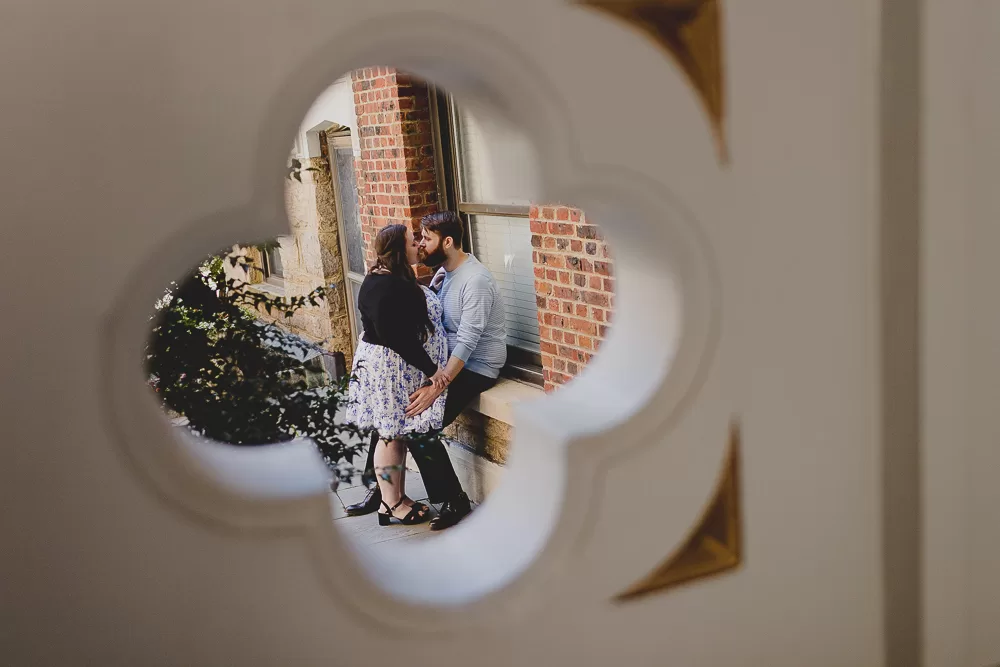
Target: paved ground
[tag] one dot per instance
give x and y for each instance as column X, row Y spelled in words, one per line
column 365, row 529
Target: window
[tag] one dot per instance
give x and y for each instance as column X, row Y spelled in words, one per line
column 270, row 260
column 487, row 172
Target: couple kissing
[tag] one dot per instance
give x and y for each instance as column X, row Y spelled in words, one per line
column 424, row 356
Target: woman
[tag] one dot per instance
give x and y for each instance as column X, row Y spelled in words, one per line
column 403, row 347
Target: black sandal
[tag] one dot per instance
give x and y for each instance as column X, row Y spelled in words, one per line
column 419, row 513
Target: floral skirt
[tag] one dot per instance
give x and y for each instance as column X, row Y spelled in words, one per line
column 381, row 388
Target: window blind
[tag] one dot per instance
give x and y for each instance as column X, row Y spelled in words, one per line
column 503, row 245
column 498, row 166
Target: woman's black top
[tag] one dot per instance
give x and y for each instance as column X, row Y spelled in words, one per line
column 393, row 314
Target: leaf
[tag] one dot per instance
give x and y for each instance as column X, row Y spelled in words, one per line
column 211, row 364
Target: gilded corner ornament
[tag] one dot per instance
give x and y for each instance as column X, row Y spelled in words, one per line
column 716, row 543
column 691, row 32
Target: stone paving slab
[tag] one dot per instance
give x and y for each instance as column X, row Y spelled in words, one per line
column 365, row 530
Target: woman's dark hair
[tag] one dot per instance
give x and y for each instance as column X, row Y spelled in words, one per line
column 390, row 257
column 445, row 223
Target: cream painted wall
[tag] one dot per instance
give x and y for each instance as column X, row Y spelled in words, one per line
column 334, row 105
column 961, row 328
column 746, row 290
column 946, row 428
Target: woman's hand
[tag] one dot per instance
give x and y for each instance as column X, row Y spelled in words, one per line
column 422, row 399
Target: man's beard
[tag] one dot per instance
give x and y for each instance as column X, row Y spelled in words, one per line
column 433, row 259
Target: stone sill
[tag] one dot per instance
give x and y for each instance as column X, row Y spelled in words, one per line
column 479, row 440
column 498, row 402
column 267, row 288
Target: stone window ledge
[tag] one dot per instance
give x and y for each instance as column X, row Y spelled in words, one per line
column 479, row 441
column 486, row 428
column 268, row 288
column 498, row 402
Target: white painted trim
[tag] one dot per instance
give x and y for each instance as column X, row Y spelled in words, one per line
column 949, row 85
column 312, row 142
column 473, row 574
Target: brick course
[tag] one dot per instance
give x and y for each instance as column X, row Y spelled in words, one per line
column 396, row 173
column 574, row 287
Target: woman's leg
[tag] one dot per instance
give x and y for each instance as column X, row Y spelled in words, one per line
column 390, row 471
column 390, row 466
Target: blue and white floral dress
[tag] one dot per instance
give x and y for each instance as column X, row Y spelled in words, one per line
column 383, row 383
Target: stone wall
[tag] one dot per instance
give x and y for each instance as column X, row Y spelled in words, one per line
column 482, row 435
column 331, row 258
column 311, row 257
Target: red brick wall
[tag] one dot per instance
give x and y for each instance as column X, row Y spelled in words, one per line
column 574, row 288
column 574, row 278
column 396, row 178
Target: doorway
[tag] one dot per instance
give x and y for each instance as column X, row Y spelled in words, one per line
column 345, row 187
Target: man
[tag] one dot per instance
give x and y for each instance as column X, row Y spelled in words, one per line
column 474, row 321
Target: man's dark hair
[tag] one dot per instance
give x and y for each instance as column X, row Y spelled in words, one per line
column 445, row 223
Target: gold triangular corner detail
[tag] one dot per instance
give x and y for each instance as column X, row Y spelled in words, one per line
column 691, row 31
column 715, row 545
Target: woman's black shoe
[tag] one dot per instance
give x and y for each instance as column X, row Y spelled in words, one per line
column 368, row 505
column 419, row 513
column 452, row 512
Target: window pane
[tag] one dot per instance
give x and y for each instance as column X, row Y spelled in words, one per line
column 274, row 267
column 497, row 163
column 356, row 289
column 351, row 224
column 503, row 245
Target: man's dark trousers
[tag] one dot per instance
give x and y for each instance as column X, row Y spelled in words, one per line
column 431, row 457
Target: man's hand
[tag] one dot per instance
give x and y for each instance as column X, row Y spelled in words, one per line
column 441, row 379
column 422, row 399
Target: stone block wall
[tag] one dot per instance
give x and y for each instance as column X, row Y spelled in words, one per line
column 311, row 257
column 574, row 289
column 331, row 257
column 482, row 435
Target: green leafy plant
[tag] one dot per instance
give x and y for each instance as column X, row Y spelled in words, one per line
column 239, row 380
column 233, row 378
